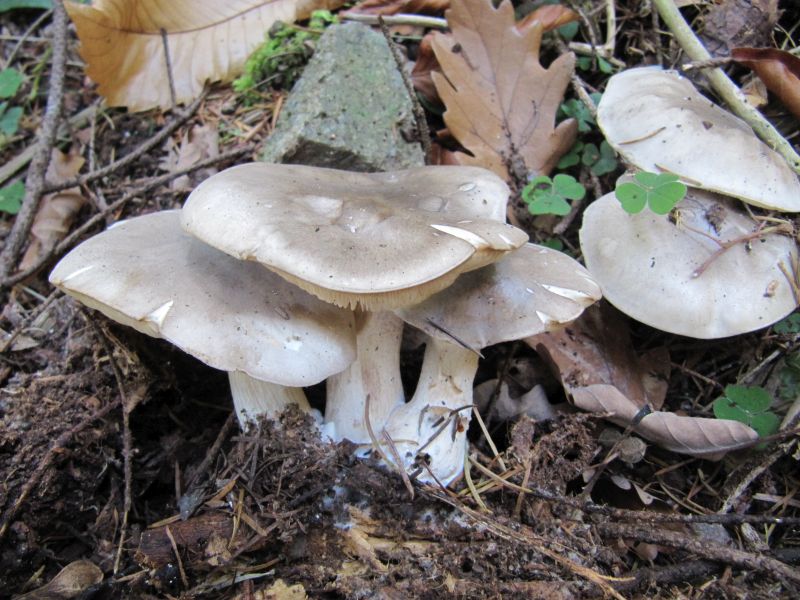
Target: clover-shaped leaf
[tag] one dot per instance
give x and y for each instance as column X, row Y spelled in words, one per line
column 661, row 191
column 549, row 196
column 748, row 405
column 577, row 110
column 11, row 197
column 10, row 80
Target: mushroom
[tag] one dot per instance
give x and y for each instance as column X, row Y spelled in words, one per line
column 371, row 242
column 270, row 336
column 658, row 121
column 529, row 291
column 706, row 272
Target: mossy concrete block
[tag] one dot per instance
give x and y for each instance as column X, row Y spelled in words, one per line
column 349, row 110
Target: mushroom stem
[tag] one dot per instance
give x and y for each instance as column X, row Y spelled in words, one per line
column 254, row 399
column 374, row 373
column 435, row 421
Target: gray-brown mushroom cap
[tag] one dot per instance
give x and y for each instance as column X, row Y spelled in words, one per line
column 377, row 240
column 647, row 266
column 658, row 121
column 236, row 316
column 529, row 291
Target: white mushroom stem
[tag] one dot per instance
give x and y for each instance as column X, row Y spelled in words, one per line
column 254, row 399
column 374, row 374
column 435, row 421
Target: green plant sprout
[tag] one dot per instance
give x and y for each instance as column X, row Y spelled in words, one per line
column 10, row 82
column 545, row 196
column 660, row 191
column 600, row 161
column 11, row 197
column 574, row 108
column 280, row 59
column 788, row 326
column 748, row 405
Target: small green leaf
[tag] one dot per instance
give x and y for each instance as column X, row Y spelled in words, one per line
column 546, row 202
column 661, row 191
column 788, row 326
column 748, row 405
column 11, row 197
column 571, row 158
column 607, row 163
column 577, row 110
column 590, row 155
column 604, row 66
column 9, row 121
column 632, row 197
column 553, row 243
column 568, row 31
column 568, row 187
column 10, row 80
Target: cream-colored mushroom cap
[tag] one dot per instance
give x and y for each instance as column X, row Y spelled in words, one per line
column 529, row 291
column 658, row 121
column 236, row 316
column 376, row 240
column 649, row 266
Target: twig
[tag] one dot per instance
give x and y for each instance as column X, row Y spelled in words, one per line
column 55, row 450
column 212, row 451
column 702, row 548
column 168, row 61
column 184, row 580
column 399, row 19
column 143, row 148
column 416, row 107
column 727, row 90
column 68, row 241
column 35, row 181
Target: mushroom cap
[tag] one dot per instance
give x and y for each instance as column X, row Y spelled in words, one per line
column 149, row 274
column 378, row 240
column 658, row 121
column 645, row 265
column 529, row 291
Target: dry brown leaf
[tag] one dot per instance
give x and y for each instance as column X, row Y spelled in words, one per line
column 501, row 103
column 550, row 16
column 70, row 582
column 696, row 436
column 425, row 64
column 596, row 349
column 122, row 46
column 392, row 7
column 199, row 143
column 779, row 70
column 56, row 211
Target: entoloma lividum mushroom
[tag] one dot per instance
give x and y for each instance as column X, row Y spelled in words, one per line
column 529, row 291
column 271, row 336
column 371, row 242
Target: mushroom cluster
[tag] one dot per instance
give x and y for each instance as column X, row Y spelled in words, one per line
column 711, row 269
column 285, row 276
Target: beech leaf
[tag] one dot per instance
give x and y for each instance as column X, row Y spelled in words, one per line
column 778, row 69
column 695, row 436
column 121, row 43
column 501, row 102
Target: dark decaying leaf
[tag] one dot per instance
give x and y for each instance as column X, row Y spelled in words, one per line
column 392, row 7
column 779, row 70
column 501, row 103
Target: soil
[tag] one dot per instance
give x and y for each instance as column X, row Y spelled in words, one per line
column 213, row 512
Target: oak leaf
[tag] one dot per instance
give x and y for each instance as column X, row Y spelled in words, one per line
column 501, row 102
column 122, row 45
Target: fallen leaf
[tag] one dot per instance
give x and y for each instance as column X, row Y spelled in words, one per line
column 56, row 211
column 501, row 103
column 201, row 142
column 695, row 436
column 121, row 43
column 779, row 70
column 732, row 23
column 425, row 64
column 392, row 7
column 70, row 582
column 550, row 16
column 596, row 349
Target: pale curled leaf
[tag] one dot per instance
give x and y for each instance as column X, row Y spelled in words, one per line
column 695, row 436
column 69, row 582
column 501, row 103
column 57, row 211
column 122, row 45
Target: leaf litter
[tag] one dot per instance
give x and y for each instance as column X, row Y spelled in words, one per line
column 280, row 501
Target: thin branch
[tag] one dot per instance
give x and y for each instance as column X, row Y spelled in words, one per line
column 727, row 90
column 399, row 19
column 35, row 182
